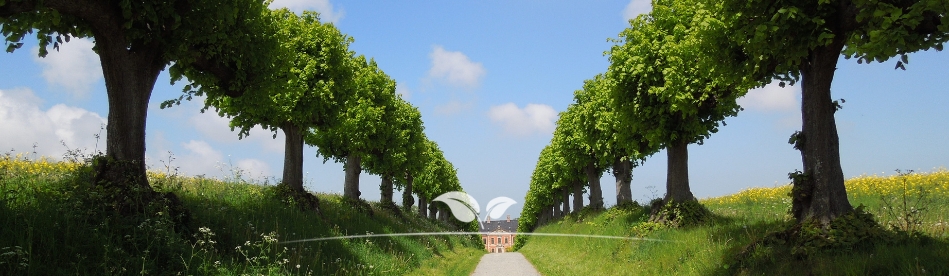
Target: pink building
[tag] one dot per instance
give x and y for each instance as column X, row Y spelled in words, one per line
column 498, row 236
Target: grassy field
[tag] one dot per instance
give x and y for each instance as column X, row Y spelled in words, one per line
column 52, row 225
column 912, row 202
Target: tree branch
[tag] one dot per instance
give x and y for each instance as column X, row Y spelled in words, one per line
column 224, row 75
column 11, row 8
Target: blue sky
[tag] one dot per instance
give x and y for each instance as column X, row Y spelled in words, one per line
column 489, row 78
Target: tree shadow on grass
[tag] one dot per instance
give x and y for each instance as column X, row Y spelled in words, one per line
column 754, row 250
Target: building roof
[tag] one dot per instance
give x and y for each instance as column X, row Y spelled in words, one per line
column 503, row 225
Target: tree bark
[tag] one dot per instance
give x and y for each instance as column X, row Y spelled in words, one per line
column 577, row 196
column 443, row 214
column 677, row 174
column 556, row 207
column 386, row 189
column 623, row 170
column 129, row 79
column 422, row 206
column 407, row 200
column 822, row 194
column 351, row 185
column 566, row 200
column 293, row 157
column 432, row 210
column 596, row 193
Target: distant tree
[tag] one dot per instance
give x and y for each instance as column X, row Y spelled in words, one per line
column 577, row 156
column 600, row 131
column 792, row 40
column 392, row 159
column 664, row 90
column 223, row 47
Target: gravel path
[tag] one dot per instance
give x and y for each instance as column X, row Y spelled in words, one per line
column 512, row 263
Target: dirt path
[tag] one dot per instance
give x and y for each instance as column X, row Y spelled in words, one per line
column 504, row 264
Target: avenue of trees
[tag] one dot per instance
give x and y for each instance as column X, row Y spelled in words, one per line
column 676, row 72
column 274, row 69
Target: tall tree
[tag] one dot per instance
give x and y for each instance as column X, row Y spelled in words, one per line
column 813, row 35
column 223, row 47
column 316, row 75
column 361, row 126
column 599, row 130
column 664, row 89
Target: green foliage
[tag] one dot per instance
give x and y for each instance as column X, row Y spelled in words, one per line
column 679, row 214
column 666, row 85
column 869, row 30
column 844, row 232
column 361, row 127
column 314, row 77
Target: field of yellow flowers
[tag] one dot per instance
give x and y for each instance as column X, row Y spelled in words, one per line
column 893, row 199
column 935, row 184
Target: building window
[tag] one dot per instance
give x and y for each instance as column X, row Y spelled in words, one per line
column 505, row 240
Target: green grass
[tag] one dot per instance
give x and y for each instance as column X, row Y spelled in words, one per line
column 459, row 262
column 52, row 225
column 740, row 220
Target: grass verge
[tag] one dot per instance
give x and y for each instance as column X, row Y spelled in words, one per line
column 914, row 206
column 53, row 225
column 460, row 262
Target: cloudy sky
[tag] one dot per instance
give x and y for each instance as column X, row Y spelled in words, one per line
column 490, row 78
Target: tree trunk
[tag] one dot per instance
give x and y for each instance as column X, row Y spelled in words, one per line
column 293, row 157
column 566, row 201
column 542, row 217
column 677, row 174
column 623, row 170
column 821, row 194
column 596, row 194
column 422, row 206
column 351, row 185
column 443, row 214
column 129, row 79
column 407, row 200
column 556, row 207
column 577, row 196
column 432, row 210
column 386, row 189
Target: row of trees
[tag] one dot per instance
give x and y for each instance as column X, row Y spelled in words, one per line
column 675, row 75
column 258, row 67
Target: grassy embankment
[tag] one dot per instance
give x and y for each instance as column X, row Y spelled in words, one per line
column 52, row 224
column 746, row 217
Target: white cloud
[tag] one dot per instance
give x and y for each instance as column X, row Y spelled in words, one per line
column 324, row 7
column 635, row 8
column 74, row 67
column 772, row 98
column 255, row 168
column 533, row 118
column 23, row 123
column 452, row 107
column 783, row 104
column 218, row 129
column 455, row 68
column 202, row 158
